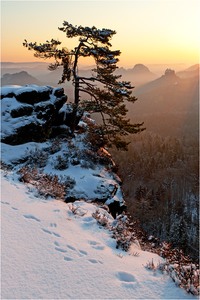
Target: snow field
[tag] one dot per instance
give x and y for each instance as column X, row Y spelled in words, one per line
column 50, row 253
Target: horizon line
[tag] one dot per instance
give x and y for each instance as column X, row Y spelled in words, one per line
column 153, row 64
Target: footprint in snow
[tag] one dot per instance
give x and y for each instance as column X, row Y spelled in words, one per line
column 56, row 234
column 96, row 245
column 94, row 261
column 51, row 232
column 32, row 217
column 53, row 225
column 126, row 277
column 3, row 202
column 99, row 247
column 71, row 248
column 83, row 252
column 60, row 250
column 56, row 243
column 14, row 208
column 93, row 242
column 67, row 258
column 46, row 231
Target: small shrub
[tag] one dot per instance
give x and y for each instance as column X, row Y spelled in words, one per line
column 98, row 157
column 123, row 232
column 37, row 158
column 75, row 161
column 77, row 210
column 87, row 164
column 47, row 185
column 101, row 218
column 151, row 266
column 185, row 275
column 67, row 181
column 61, row 163
column 121, row 229
column 55, row 146
column 4, row 166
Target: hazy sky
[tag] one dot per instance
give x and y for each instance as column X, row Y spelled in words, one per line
column 148, row 31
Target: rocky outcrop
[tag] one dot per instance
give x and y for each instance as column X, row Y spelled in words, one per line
column 33, row 113
column 35, row 132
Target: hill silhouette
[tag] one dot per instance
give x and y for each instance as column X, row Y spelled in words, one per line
column 20, row 78
column 138, row 75
column 192, row 71
column 168, row 104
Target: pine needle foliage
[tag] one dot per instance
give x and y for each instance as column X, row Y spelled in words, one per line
column 103, row 92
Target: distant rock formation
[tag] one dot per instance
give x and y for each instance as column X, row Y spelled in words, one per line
column 140, row 68
column 169, row 72
column 20, row 78
column 138, row 75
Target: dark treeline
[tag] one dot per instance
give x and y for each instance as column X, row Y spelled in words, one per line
column 160, row 184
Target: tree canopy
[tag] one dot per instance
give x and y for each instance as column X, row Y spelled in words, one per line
column 106, row 93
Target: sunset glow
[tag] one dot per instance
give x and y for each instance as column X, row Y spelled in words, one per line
column 148, row 31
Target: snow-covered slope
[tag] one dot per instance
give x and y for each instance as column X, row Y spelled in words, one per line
column 48, row 252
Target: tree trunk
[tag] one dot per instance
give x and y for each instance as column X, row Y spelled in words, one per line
column 75, row 105
column 76, row 89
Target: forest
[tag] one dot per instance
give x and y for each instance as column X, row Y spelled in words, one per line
column 160, row 175
column 160, row 171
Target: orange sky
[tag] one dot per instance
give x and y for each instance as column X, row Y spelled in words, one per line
column 148, row 31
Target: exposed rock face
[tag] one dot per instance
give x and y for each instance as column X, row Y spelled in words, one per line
column 169, row 72
column 32, row 113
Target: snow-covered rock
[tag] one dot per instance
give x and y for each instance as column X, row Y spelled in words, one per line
column 30, row 142
column 33, row 113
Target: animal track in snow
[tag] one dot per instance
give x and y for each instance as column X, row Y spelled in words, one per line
column 67, row 258
column 47, row 231
column 53, row 225
column 56, row 210
column 83, row 252
column 94, row 261
column 32, row 217
column 99, row 247
column 14, row 208
column 7, row 203
column 96, row 245
column 71, row 248
column 4, row 202
column 56, row 243
column 56, row 234
column 93, row 242
column 125, row 277
column 51, row 232
column 60, row 250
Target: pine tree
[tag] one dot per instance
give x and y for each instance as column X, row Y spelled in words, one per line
column 107, row 94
